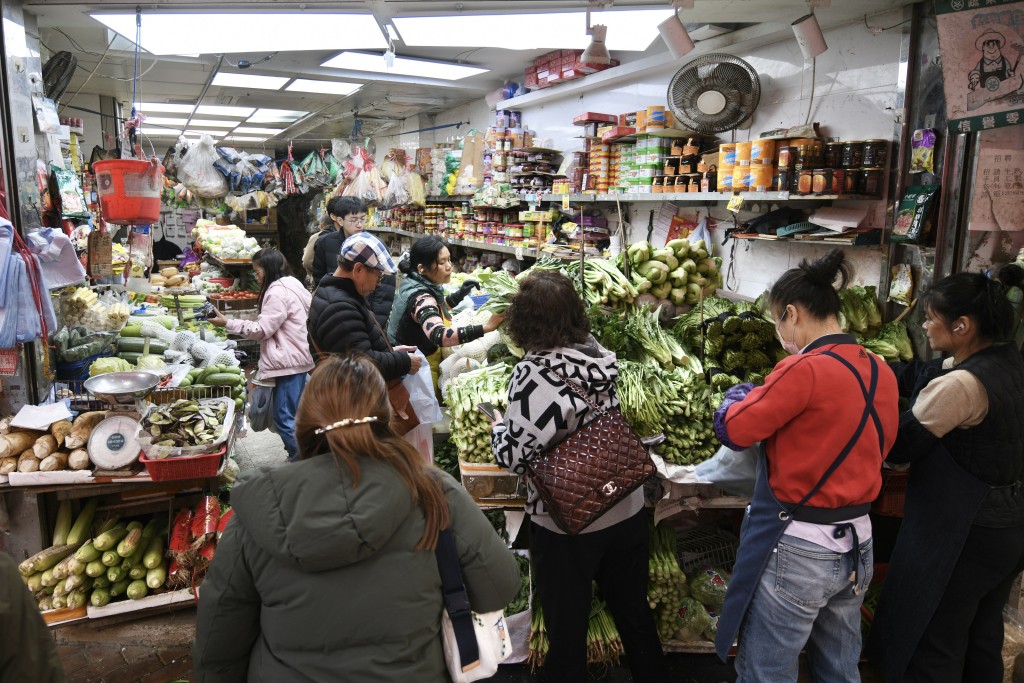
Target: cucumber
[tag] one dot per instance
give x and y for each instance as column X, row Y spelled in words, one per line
column 137, row 589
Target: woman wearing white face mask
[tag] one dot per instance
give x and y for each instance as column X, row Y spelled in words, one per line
column 827, row 416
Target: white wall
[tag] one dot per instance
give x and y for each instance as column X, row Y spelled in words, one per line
column 854, row 96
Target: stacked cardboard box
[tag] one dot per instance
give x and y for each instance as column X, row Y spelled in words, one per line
column 558, row 66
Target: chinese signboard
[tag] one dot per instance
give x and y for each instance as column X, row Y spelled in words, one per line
column 997, row 200
column 982, row 43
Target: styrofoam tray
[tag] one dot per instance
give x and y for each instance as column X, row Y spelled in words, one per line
column 157, row 600
column 151, row 451
column 49, row 478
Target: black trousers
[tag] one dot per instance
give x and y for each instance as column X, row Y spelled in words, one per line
column 964, row 640
column 565, row 567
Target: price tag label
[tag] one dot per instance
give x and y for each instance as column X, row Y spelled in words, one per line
column 8, row 361
column 565, row 202
column 519, row 253
column 735, row 204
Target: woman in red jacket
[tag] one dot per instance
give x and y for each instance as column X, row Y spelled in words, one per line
column 827, row 416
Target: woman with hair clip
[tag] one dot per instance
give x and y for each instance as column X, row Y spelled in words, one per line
column 827, row 418
column 281, row 331
column 327, row 571
column 421, row 314
column 961, row 543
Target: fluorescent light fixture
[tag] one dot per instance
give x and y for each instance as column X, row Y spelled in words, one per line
column 209, row 123
column 276, row 116
column 256, row 130
column 173, row 33
column 162, row 107
column 627, row 29
column 368, row 61
column 249, row 81
column 325, row 87
column 212, row 133
column 160, row 132
column 243, row 138
column 215, row 110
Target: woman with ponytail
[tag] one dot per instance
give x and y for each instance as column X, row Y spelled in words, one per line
column 961, row 543
column 327, row 571
column 827, row 417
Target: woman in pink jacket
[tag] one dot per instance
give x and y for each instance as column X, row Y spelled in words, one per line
column 281, row 331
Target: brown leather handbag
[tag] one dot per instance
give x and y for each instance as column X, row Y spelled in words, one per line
column 593, row 469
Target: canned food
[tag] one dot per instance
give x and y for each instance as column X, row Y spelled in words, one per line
column 805, row 182
column 838, row 178
column 760, row 177
column 762, row 151
column 725, row 174
column 871, row 182
column 853, row 154
column 740, row 178
column 850, row 181
column 788, row 156
column 743, row 153
column 875, row 153
column 821, row 181
column 727, row 155
column 784, row 180
column 834, row 154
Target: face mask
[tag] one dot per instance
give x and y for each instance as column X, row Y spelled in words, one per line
column 789, row 346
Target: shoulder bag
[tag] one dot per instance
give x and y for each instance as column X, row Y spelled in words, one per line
column 593, row 469
column 474, row 643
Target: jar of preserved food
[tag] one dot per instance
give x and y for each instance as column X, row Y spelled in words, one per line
column 875, row 153
column 871, row 182
column 834, row 154
column 805, row 182
column 788, row 156
column 853, row 154
column 821, row 181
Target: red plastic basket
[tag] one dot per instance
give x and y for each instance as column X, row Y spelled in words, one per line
column 893, row 494
column 188, row 467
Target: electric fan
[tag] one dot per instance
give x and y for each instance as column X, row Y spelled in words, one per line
column 57, row 73
column 714, row 93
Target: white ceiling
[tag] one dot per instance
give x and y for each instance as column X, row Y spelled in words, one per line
column 384, row 100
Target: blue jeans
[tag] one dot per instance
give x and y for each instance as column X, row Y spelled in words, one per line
column 287, row 393
column 805, row 598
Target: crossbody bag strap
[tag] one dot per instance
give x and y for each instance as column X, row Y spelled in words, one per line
column 869, row 396
column 456, row 600
column 573, row 387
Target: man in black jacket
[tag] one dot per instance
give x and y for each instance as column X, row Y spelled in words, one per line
column 27, row 651
column 340, row 320
column 349, row 217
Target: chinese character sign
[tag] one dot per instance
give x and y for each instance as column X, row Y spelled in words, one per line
column 998, row 200
column 982, row 45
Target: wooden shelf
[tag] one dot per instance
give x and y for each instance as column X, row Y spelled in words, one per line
column 704, row 197
column 525, row 252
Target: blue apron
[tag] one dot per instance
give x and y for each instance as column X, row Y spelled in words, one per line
column 768, row 519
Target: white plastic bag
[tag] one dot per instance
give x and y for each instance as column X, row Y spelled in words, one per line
column 421, row 393
column 198, row 173
column 701, row 232
column 732, row 471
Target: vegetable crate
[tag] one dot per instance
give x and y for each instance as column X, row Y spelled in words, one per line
column 705, row 546
column 190, row 467
column 226, row 305
column 893, row 494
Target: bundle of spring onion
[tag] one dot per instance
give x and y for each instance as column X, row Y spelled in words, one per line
column 604, row 646
column 603, row 282
column 666, row 585
column 470, row 428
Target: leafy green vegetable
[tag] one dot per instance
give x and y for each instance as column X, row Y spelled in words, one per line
column 102, row 366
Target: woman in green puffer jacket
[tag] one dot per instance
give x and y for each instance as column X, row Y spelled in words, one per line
column 327, row 571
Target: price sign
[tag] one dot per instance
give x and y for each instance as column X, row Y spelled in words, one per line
column 8, row 361
column 735, row 204
column 565, row 202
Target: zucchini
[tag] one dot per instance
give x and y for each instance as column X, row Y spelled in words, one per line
column 95, row 568
column 119, row 587
column 99, row 597
column 137, row 589
column 154, row 553
column 128, row 545
column 110, row 558
column 109, row 539
column 138, row 345
column 157, row 576
column 221, row 379
column 87, row 553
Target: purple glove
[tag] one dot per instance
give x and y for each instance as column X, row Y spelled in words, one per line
column 733, row 394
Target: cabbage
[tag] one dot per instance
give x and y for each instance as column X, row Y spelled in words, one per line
column 102, row 366
column 691, row 621
column 152, row 363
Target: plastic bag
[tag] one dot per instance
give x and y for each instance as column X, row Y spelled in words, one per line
column 198, row 173
column 701, row 232
column 260, row 407
column 421, row 393
column 396, row 194
column 732, row 471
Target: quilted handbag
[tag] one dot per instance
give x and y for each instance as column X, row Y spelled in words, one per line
column 594, row 468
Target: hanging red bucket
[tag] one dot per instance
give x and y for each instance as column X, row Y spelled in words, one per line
column 129, row 190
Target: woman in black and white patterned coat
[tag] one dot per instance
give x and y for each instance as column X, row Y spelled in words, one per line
column 548, row 320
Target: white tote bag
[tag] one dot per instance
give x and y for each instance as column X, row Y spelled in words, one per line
column 492, row 640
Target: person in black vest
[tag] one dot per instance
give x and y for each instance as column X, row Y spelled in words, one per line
column 962, row 539
column 349, row 217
